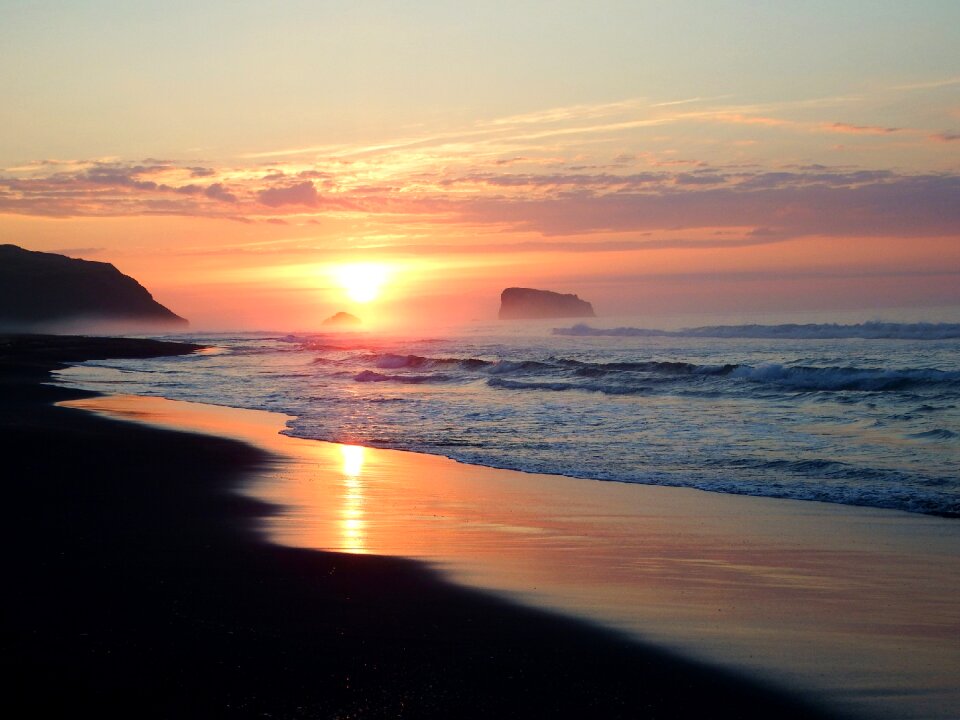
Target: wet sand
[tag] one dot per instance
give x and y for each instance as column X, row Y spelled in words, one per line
column 139, row 584
column 859, row 607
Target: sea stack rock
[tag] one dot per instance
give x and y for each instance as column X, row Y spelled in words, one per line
column 47, row 292
column 527, row 303
column 342, row 320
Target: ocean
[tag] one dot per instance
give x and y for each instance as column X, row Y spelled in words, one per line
column 864, row 415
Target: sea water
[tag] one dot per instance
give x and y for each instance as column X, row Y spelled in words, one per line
column 864, row 417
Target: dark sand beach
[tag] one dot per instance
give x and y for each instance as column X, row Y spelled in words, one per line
column 855, row 606
column 137, row 587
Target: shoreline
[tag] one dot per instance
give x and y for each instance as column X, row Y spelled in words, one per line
column 140, row 587
column 863, row 442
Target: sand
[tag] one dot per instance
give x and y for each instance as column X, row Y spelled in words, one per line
column 858, row 606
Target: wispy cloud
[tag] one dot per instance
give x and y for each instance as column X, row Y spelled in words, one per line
column 627, row 166
column 790, row 202
column 571, row 113
column 946, row 137
column 538, row 137
column 928, row 84
column 670, row 103
column 842, row 127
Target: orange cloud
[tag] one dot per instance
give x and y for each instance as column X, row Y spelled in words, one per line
column 561, row 201
column 841, row 127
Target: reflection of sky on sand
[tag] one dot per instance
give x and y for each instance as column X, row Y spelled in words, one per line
column 863, row 605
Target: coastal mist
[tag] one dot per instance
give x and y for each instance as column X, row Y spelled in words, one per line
column 870, row 421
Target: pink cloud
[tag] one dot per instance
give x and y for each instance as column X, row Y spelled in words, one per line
column 794, row 204
column 303, row 193
column 860, row 129
column 798, row 200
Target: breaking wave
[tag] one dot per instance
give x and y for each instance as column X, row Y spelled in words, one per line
column 636, row 377
column 607, row 389
column 839, row 378
column 370, row 376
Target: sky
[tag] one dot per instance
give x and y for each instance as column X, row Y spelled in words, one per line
column 718, row 160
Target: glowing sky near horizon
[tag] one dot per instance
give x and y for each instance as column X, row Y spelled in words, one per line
column 725, row 158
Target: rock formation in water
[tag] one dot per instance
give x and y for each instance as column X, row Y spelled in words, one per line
column 342, row 320
column 527, row 303
column 47, row 292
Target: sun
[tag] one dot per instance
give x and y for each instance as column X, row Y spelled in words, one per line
column 362, row 281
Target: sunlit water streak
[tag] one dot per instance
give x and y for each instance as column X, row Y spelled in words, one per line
column 855, row 421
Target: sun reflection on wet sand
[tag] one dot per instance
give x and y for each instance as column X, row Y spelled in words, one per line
column 352, row 523
column 352, row 460
column 861, row 603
